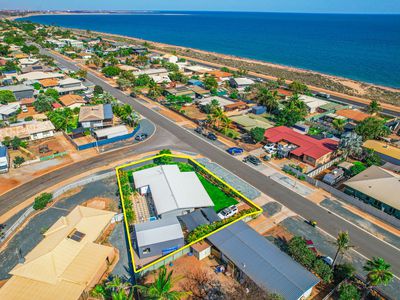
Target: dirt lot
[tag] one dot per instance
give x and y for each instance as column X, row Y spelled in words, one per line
column 31, row 112
column 194, row 113
column 54, row 145
column 84, row 140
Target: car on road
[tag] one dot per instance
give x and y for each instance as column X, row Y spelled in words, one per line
column 132, row 94
column 235, row 151
column 228, row 212
column 199, row 130
column 252, row 159
column 212, row 136
column 141, row 137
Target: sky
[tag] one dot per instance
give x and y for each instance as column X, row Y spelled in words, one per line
column 307, row 6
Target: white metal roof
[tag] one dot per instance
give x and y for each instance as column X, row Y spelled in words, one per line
column 9, row 108
column 243, row 81
column 162, row 230
column 222, row 101
column 312, row 102
column 172, row 189
column 114, row 131
column 151, row 72
column 39, row 75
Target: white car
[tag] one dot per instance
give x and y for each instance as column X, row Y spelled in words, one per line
column 270, row 148
column 228, row 212
column 24, row 108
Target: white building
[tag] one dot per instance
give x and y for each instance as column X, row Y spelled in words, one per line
column 32, row 130
column 312, row 103
column 173, row 192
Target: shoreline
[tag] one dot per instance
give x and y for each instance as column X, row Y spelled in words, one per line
column 316, row 80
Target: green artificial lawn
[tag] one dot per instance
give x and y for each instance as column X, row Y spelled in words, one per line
column 220, row 199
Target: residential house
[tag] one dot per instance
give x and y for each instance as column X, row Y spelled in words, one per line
column 20, row 91
column 196, row 69
column 377, row 187
column 26, row 62
column 181, row 91
column 290, row 142
column 223, row 102
column 221, row 76
column 173, row 192
column 67, row 263
column 28, row 102
column 247, row 254
column 72, row 101
column 387, row 152
column 32, row 130
column 73, row 43
column 69, row 86
column 160, row 79
column 152, row 72
column 57, row 43
column 48, row 83
column 96, row 116
column 312, row 103
column 249, row 121
column 8, row 110
column 4, row 159
column 158, row 238
column 38, row 75
column 170, row 58
column 241, row 83
column 353, row 115
column 36, row 68
column 200, row 92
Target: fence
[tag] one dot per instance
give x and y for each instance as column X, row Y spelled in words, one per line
column 53, row 156
column 104, row 142
column 349, row 199
column 329, row 164
column 56, row 194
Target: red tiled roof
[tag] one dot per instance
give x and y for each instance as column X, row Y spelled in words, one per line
column 56, row 105
column 284, row 92
column 306, row 145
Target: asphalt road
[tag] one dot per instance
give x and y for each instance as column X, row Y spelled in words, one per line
column 365, row 243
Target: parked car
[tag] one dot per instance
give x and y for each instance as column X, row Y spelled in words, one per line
column 252, row 159
column 212, row 136
column 235, row 151
column 141, row 137
column 24, row 108
column 270, row 148
column 228, row 212
column 132, row 94
column 266, row 157
column 328, row 260
column 199, row 130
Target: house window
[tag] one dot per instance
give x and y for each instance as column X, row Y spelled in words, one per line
column 146, row 250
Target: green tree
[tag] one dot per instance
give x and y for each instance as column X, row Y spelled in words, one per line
column 161, row 288
column 257, row 134
column 143, row 80
column 111, row 71
column 294, row 111
column 372, row 128
column 52, row 93
column 281, row 81
column 42, row 200
column 378, row 272
column 298, row 87
column 117, row 284
column 82, row 73
column 324, row 271
column 16, row 142
column 43, row 103
column 267, row 98
column 31, row 49
column 6, row 97
column 342, row 244
column 298, row 249
column 339, row 124
column 210, row 83
column 371, row 158
column 98, row 90
column 4, row 50
column 98, row 291
column 171, row 67
column 348, row 291
column 166, row 160
column 18, row 161
column 343, row 271
column 123, row 84
column 374, row 107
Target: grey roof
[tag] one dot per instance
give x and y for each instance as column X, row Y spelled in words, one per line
column 172, row 189
column 17, row 88
column 3, row 151
column 162, row 230
column 108, row 114
column 210, row 214
column 263, row 262
column 193, row 219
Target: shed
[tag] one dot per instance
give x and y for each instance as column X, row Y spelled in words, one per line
column 158, row 237
column 258, row 110
column 110, row 132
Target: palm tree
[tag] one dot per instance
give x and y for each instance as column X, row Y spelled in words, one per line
column 339, row 124
column 374, row 107
column 268, row 98
column 342, row 243
column 161, row 288
column 117, row 285
column 98, row 291
column 121, row 295
column 378, row 272
column 218, row 115
column 226, row 123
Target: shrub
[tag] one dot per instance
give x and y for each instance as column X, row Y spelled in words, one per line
column 42, row 200
column 348, row 292
column 257, row 134
column 323, row 270
column 298, row 249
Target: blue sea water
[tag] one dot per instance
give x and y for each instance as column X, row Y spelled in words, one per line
column 361, row 47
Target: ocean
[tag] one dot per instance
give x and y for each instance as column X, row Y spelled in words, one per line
column 360, row 47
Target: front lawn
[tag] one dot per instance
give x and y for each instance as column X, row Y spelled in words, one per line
column 220, row 199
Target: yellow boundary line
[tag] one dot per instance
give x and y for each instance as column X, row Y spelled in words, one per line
column 259, row 209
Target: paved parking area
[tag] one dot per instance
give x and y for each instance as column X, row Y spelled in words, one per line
column 119, row 241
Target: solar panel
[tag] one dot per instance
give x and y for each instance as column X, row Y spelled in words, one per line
column 77, row 236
